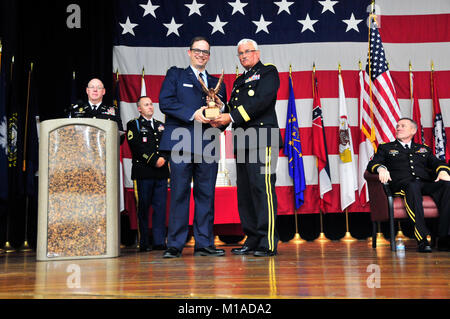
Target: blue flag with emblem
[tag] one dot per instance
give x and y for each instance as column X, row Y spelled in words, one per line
column 293, row 149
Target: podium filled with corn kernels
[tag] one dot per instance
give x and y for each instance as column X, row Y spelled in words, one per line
column 78, row 211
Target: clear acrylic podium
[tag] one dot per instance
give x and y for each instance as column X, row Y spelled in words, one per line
column 78, row 211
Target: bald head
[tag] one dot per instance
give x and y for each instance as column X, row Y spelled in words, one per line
column 95, row 91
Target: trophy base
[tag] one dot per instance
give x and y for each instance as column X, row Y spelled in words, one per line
column 212, row 112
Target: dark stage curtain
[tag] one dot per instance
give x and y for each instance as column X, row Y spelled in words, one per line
column 37, row 32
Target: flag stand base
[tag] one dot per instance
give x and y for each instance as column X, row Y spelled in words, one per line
column 348, row 238
column 402, row 236
column 242, row 242
column 8, row 248
column 191, row 243
column 298, row 240
column 217, row 241
column 381, row 241
column 25, row 247
column 322, row 238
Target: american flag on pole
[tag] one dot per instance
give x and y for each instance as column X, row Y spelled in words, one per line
column 155, row 35
column 380, row 103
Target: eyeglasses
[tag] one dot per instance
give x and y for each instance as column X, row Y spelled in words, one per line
column 245, row 52
column 95, row 87
column 198, row 51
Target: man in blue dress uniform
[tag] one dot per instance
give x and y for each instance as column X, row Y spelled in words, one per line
column 183, row 101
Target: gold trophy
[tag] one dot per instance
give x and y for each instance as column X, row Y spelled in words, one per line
column 212, row 111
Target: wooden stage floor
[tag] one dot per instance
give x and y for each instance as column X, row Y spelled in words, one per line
column 333, row 270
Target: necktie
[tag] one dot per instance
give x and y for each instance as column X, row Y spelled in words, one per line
column 200, row 76
column 407, row 147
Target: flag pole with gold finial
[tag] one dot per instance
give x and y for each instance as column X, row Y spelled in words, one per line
column 381, row 241
column 433, row 106
column 116, row 95
column 432, row 88
column 410, row 84
column 297, row 238
column 372, row 133
column 348, row 236
column 25, row 246
column 322, row 238
column 136, row 195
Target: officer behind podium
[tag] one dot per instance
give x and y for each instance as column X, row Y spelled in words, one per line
column 150, row 173
column 95, row 108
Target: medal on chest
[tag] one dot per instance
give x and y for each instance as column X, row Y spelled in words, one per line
column 144, row 132
column 393, row 152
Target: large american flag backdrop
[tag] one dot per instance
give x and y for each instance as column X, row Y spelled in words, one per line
column 153, row 35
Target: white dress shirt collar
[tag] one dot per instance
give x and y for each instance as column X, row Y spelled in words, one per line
column 91, row 104
column 197, row 72
column 403, row 144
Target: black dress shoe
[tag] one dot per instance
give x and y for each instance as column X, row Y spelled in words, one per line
column 209, row 251
column 424, row 246
column 144, row 249
column 244, row 250
column 159, row 247
column 264, row 252
column 172, row 252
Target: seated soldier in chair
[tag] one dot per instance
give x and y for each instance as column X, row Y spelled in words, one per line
column 412, row 170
